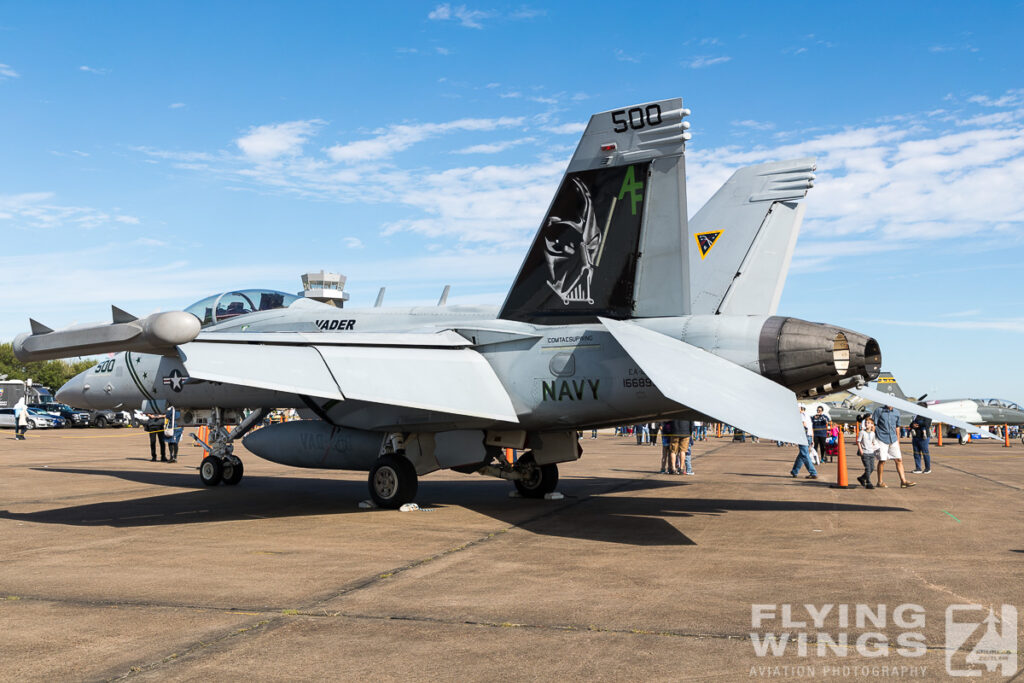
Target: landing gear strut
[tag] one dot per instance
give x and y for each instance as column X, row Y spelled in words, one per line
column 220, row 463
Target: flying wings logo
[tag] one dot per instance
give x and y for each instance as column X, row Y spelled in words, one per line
column 706, row 240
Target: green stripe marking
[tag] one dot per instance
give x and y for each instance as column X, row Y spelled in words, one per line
column 948, row 513
column 135, row 377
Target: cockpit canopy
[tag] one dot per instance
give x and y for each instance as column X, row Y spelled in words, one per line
column 998, row 403
column 226, row 305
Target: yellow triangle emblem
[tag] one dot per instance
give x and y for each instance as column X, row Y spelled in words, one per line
column 706, row 240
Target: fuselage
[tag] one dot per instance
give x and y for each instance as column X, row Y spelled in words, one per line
column 557, row 376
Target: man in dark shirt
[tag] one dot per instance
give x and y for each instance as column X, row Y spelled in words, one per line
column 921, row 429
column 819, row 423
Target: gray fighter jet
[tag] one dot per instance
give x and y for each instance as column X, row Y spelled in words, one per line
column 621, row 312
column 959, row 415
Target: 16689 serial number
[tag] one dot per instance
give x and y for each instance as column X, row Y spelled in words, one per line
column 637, row 382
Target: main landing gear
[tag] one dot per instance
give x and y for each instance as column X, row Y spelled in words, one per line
column 393, row 480
column 220, row 464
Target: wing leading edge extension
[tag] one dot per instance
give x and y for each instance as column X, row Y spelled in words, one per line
column 712, row 385
column 458, row 381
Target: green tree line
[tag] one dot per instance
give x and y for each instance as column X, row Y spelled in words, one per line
column 50, row 373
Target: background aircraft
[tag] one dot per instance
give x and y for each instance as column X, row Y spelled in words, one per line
column 960, row 415
column 620, row 313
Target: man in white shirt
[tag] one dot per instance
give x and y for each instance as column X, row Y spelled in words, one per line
column 803, row 456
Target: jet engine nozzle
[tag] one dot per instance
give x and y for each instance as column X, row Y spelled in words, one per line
column 814, row 359
column 158, row 333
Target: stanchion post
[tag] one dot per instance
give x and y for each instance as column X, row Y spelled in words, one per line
column 1006, row 436
column 842, row 481
column 938, row 433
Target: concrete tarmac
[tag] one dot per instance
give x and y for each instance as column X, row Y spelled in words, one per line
column 115, row 567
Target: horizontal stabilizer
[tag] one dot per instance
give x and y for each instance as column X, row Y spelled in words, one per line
column 38, row 327
column 712, row 385
column 914, row 409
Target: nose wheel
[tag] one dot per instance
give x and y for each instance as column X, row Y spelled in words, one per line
column 211, row 471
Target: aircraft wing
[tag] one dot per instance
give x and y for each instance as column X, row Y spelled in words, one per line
column 712, row 385
column 430, row 376
column 914, row 409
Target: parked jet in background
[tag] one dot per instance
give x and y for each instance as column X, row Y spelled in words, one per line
column 620, row 313
column 962, row 414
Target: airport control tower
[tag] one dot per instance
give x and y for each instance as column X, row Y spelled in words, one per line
column 325, row 287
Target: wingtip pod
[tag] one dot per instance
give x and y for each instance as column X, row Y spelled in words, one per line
column 157, row 333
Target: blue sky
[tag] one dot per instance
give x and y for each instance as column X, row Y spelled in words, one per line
column 155, row 153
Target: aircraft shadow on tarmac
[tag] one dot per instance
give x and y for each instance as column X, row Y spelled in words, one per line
column 586, row 513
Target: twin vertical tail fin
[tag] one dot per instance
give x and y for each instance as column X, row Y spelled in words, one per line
column 887, row 385
column 623, row 198
column 745, row 236
column 615, row 241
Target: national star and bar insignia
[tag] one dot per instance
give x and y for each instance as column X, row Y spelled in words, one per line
column 706, row 240
column 175, row 380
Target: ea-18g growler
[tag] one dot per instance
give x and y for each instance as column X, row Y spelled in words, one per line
column 622, row 312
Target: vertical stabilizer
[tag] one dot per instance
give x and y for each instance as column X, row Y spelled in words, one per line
column 887, row 385
column 612, row 243
column 742, row 240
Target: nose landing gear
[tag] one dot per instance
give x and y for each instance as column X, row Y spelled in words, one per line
column 220, row 463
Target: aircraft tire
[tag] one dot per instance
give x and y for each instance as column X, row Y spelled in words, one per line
column 211, row 471
column 392, row 481
column 233, row 470
column 543, row 479
column 101, row 422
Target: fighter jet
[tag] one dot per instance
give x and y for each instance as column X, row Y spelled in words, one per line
column 622, row 312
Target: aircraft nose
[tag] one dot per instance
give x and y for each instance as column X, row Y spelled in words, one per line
column 74, row 392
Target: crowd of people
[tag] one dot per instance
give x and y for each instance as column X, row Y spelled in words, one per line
column 878, row 443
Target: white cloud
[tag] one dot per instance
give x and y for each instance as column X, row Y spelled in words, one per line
column 465, row 16
column 879, row 186
column 705, row 61
column 893, row 186
column 999, row 325
column 624, row 56
column 567, row 128
column 353, row 243
column 1011, row 98
column 494, row 147
column 402, row 136
column 7, row 72
column 277, row 139
column 754, row 125
column 92, row 70
column 38, row 210
column 177, row 105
